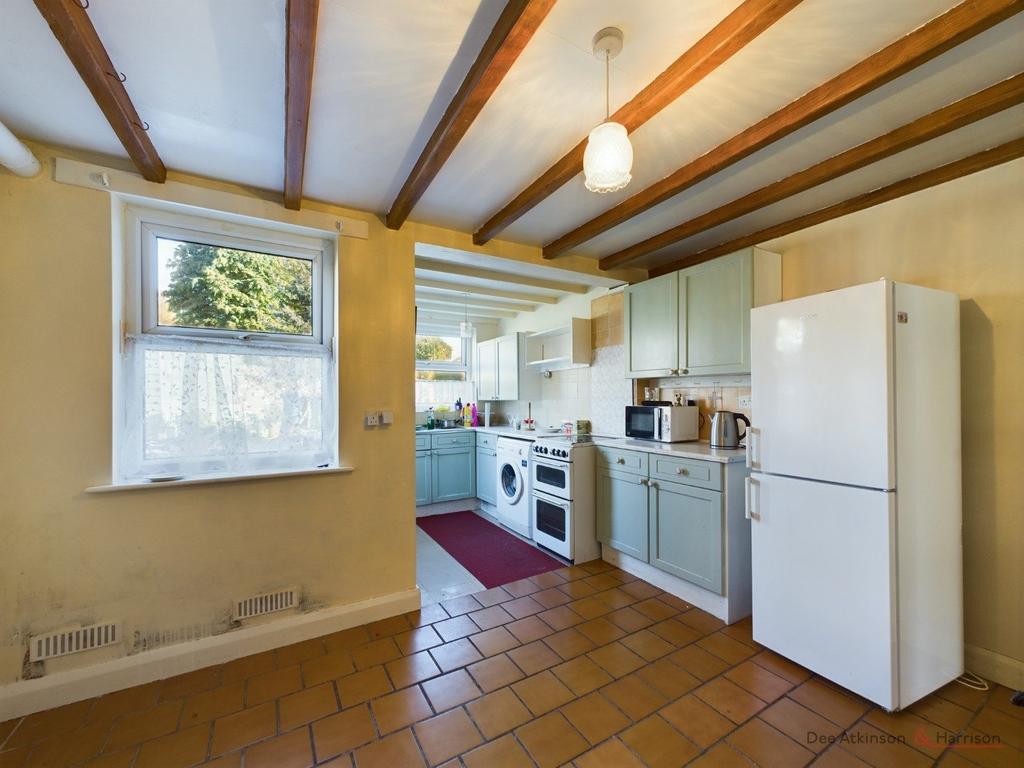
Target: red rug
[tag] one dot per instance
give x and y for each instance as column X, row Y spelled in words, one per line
column 491, row 554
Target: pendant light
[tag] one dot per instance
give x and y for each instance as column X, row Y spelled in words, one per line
column 466, row 327
column 608, row 158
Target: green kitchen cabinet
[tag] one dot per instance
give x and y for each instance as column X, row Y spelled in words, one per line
column 487, row 475
column 621, row 508
column 685, row 532
column 453, row 475
column 651, row 312
column 424, row 475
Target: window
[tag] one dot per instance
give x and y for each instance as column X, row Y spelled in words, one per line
column 443, row 360
column 227, row 363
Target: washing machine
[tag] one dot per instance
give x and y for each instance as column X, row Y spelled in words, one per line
column 513, row 462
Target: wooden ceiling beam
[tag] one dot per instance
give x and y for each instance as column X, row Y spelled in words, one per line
column 441, row 285
column 939, row 35
column 730, row 35
column 978, row 106
column 510, row 35
column 449, row 268
column 300, row 26
column 73, row 29
column 979, row 161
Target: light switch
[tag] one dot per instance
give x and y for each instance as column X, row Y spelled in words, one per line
column 387, row 417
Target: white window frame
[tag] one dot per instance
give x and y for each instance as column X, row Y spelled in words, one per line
column 139, row 303
column 467, row 350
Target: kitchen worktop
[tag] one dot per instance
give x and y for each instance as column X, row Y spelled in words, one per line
column 700, row 450
column 502, row 431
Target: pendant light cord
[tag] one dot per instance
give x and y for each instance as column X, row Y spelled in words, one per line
column 607, row 85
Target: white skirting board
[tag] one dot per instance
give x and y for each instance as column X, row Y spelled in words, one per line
column 995, row 666
column 27, row 696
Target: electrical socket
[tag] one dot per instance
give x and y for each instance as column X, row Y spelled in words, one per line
column 745, row 401
column 371, row 418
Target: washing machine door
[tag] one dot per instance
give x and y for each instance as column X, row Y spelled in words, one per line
column 510, row 481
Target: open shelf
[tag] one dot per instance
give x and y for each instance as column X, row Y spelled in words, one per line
column 555, row 349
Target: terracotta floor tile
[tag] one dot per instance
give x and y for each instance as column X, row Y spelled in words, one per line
column 306, row 706
column 600, row 631
column 495, row 672
column 551, row 740
column 568, row 643
column 612, row 752
column 675, row 632
column 492, row 596
column 629, row 619
column 633, row 696
column 572, row 573
column 460, row 605
column 137, row 727
column 398, row 749
column 743, row 631
column 841, row 708
column 669, row 679
column 1001, row 699
column 698, row 662
column 596, row 566
column 943, row 712
column 271, row 685
column 551, row 598
column 521, row 588
column 456, row 654
column 724, row 647
column 923, row 736
column 427, row 614
column 450, row 690
column 191, row 682
column 122, row 759
column 248, row 666
column 766, row 685
column 416, row 640
column 987, row 752
column 296, row 653
column 803, row 726
column 71, row 748
column 594, row 717
column 616, row 659
column 521, row 607
column 412, row 669
column 641, row 590
column 576, row 589
column 581, row 675
column 781, row 666
column 503, row 753
column 534, row 657
column 209, row 705
column 547, row 580
column 529, row 629
column 112, row 705
column 560, row 618
column 388, row 627
column 590, row 607
column 498, row 712
column 6, row 728
column 375, row 652
column 494, row 641
column 454, row 628
column 343, row 732
column 542, row 693
column 292, row 750
column 700, row 620
column 347, row 639
column 837, row 757
column 962, row 695
column 399, row 710
column 344, row 761
column 995, row 723
column 654, row 609
column 363, row 686
column 243, row 728
column 615, row 599
column 176, row 750
column 881, row 750
column 702, row 724
column 658, row 744
column 492, row 617
column 647, row 645
column 330, row 666
column 729, row 699
column 768, row 747
column 446, row 736
column 722, row 756
column 51, row 722
column 600, row 582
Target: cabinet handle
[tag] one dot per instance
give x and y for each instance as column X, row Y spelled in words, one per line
column 682, row 471
column 644, row 481
column 620, row 461
column 685, row 371
column 652, row 484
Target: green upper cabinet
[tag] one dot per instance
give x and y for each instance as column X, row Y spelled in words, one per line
column 709, row 332
column 501, row 370
column 487, row 370
column 651, row 311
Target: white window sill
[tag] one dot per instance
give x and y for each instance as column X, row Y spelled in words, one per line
column 220, row 479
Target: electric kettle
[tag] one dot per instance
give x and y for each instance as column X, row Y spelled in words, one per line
column 725, row 429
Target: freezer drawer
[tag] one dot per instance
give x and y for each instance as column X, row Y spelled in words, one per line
column 823, row 580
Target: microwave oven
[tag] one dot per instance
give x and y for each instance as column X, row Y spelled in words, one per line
column 663, row 423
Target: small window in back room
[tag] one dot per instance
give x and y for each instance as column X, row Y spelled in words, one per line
column 442, row 367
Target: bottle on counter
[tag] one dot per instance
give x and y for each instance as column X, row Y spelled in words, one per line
column 475, row 416
column 430, row 418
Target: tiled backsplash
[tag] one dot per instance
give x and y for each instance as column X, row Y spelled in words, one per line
column 711, row 394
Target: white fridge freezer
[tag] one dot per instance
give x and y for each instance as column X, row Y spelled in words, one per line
column 854, row 494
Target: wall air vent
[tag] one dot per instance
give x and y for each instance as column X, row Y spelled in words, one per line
column 72, row 640
column 268, row 602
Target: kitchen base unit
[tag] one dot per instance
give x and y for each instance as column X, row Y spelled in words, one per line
column 675, row 517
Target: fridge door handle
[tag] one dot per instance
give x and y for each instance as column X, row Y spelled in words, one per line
column 750, row 434
column 748, row 499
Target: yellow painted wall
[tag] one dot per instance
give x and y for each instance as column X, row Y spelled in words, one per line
column 164, row 559
column 966, row 236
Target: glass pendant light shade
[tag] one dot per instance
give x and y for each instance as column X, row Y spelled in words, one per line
column 608, row 158
column 466, row 329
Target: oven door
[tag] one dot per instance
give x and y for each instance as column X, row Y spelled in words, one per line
column 552, row 523
column 551, row 476
column 643, row 422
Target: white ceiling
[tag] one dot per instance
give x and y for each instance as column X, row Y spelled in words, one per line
column 210, row 82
